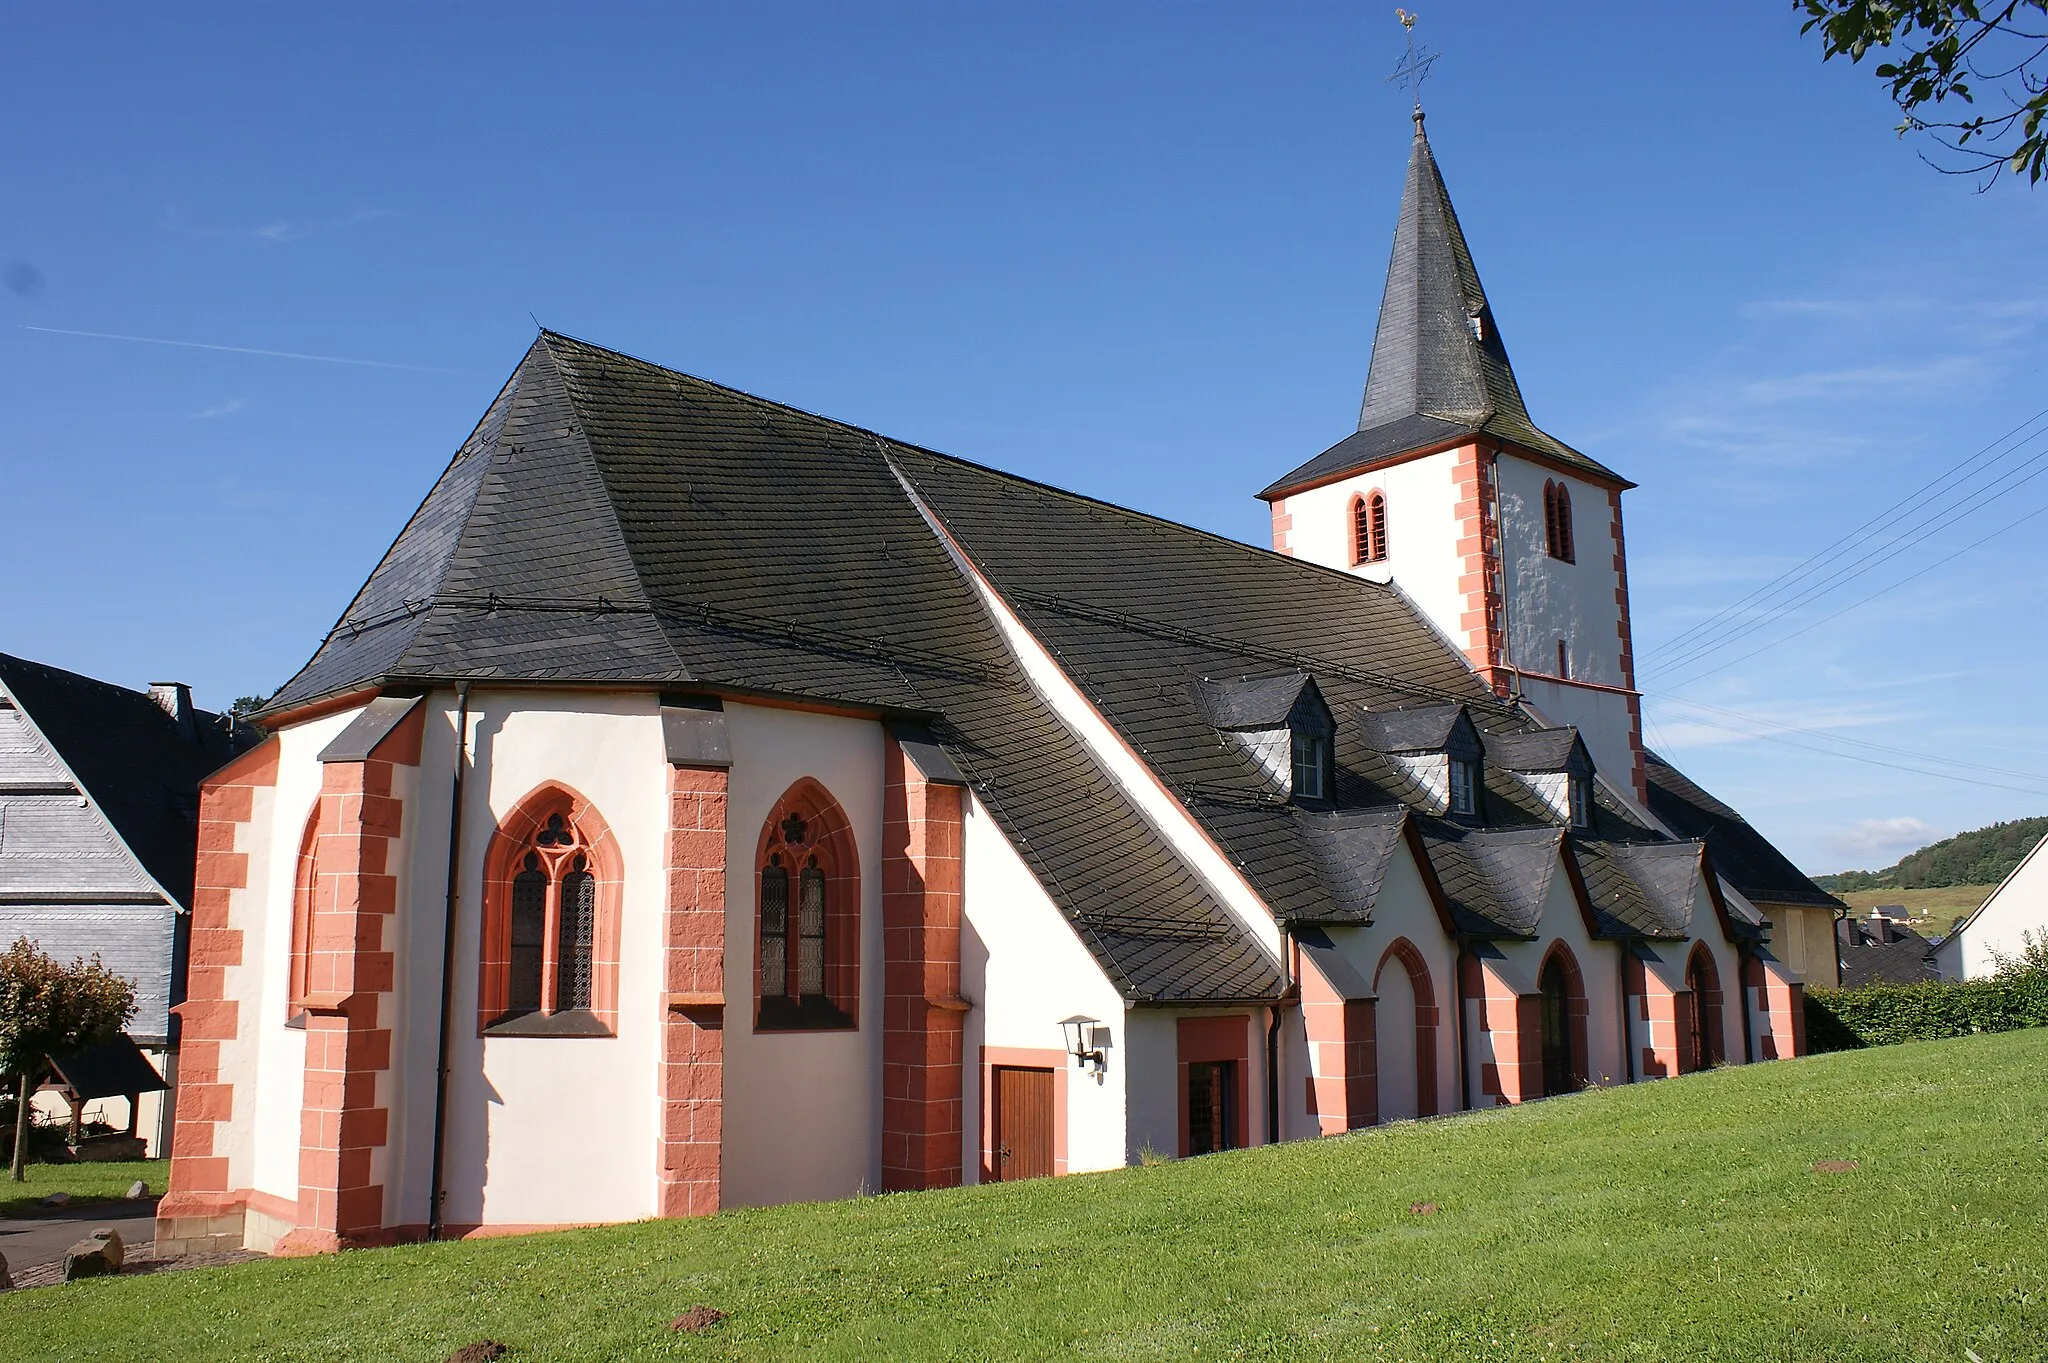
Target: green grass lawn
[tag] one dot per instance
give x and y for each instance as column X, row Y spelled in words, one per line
column 88, row 1182
column 1674, row 1220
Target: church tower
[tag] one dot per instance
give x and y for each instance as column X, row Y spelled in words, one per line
column 1507, row 538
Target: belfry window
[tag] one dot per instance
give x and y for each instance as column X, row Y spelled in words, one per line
column 1557, row 520
column 1369, row 528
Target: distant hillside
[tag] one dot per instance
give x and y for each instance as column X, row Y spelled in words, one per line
column 1983, row 856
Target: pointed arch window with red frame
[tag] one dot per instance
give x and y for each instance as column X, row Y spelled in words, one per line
column 807, row 966
column 550, row 948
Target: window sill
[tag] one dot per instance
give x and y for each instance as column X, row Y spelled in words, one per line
column 571, row 1022
column 810, row 1015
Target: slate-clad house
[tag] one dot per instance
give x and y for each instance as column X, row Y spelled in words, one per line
column 99, row 815
column 853, row 817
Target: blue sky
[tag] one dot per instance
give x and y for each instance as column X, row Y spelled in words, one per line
column 1133, row 249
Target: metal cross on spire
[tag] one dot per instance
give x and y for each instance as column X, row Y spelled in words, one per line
column 1413, row 68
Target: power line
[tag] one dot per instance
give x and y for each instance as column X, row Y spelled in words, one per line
column 2040, row 790
column 2006, row 484
column 1827, row 736
column 1816, row 624
column 1941, row 484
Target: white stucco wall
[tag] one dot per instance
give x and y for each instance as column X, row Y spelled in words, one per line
column 1154, row 1076
column 1422, row 533
column 802, row 1109
column 544, row 1130
column 2019, row 906
column 1024, row 970
column 1547, row 598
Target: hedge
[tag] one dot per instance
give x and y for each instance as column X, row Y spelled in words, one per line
column 1884, row 1014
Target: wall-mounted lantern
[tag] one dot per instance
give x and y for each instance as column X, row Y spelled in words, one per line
column 1082, row 1042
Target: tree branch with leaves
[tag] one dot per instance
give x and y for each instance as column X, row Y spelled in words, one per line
column 1938, row 51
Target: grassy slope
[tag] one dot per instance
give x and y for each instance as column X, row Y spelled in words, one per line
column 96, row 1181
column 1941, row 907
column 1671, row 1220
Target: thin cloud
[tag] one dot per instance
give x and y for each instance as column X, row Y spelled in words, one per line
column 228, row 408
column 1891, row 379
column 245, row 350
column 1872, row 843
column 273, row 231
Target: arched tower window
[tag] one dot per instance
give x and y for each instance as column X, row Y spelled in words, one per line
column 808, row 939
column 550, row 941
column 1557, row 520
column 1369, row 528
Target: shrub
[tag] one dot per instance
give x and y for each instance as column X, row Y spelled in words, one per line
column 1884, row 1014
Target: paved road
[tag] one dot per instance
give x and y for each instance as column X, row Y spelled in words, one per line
column 41, row 1239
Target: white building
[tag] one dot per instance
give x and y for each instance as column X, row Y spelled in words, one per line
column 705, row 803
column 2002, row 925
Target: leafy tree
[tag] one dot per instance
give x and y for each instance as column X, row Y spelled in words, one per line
column 50, row 1009
column 1941, row 50
column 246, row 706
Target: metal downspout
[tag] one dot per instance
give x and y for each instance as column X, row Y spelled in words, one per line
column 435, row 1191
column 1464, row 1060
column 1628, row 1047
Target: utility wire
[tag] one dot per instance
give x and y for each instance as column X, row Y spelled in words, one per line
column 1934, row 521
column 1977, row 781
column 1724, row 666
column 1831, row 737
column 1940, row 485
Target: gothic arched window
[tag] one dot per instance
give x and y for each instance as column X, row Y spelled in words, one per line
column 809, row 919
column 1557, row 520
column 550, row 948
column 1369, row 528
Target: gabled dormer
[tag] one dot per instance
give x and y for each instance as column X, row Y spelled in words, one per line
column 1555, row 766
column 1439, row 750
column 1282, row 724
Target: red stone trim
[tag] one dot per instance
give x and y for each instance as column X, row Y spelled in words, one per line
column 1342, row 1084
column 1028, row 1058
column 1206, row 1039
column 1283, row 528
column 1783, row 1004
column 1403, row 952
column 693, row 973
column 923, row 884
column 1640, row 776
column 503, row 857
column 208, row 1017
column 349, row 973
column 1656, row 1008
column 1482, row 630
column 830, row 838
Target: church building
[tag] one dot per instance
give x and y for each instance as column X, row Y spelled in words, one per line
column 709, row 804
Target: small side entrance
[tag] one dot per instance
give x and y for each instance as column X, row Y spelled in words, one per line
column 1022, row 1112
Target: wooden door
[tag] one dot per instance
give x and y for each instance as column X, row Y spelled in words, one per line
column 1556, row 1041
column 1022, row 1113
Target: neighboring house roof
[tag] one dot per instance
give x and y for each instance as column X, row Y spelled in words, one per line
column 132, row 757
column 1742, row 856
column 614, row 522
column 1969, row 920
column 1866, row 958
column 1439, row 368
column 99, row 809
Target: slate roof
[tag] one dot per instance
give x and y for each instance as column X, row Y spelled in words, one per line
column 131, row 757
column 1434, row 379
column 1742, row 856
column 1865, row 959
column 612, row 522
column 1540, row 750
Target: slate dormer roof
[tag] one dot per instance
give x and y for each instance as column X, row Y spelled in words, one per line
column 1255, row 703
column 1540, row 750
column 1414, row 729
column 1439, row 370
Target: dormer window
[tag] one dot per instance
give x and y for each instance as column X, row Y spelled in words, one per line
column 1464, row 786
column 1311, row 764
column 1582, row 801
column 1282, row 725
